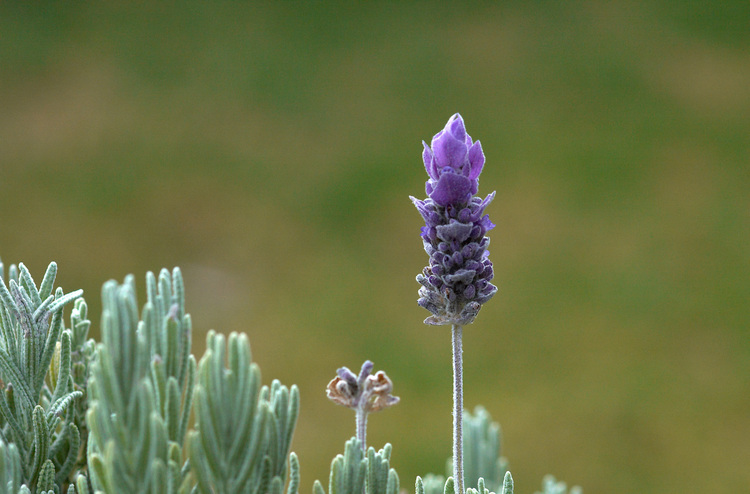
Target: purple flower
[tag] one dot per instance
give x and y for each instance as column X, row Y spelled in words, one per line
column 453, row 164
column 457, row 281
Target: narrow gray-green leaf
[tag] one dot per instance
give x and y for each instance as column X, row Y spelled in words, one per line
column 26, row 281
column 508, row 484
column 60, row 302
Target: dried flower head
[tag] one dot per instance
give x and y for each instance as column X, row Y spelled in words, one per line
column 457, row 281
column 366, row 392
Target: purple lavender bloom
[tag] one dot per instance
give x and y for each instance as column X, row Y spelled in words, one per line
column 457, row 281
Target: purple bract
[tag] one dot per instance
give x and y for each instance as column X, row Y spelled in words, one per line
column 457, row 281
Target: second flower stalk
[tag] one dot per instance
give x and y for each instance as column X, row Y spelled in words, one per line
column 363, row 393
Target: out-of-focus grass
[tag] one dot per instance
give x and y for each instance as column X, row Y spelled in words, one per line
column 269, row 151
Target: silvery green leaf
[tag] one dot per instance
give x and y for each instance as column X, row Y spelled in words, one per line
column 507, row 484
column 355, row 473
column 254, row 457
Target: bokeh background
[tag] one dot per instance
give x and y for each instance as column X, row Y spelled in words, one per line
column 269, row 149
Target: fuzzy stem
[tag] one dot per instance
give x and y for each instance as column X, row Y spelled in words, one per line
column 362, row 427
column 458, row 411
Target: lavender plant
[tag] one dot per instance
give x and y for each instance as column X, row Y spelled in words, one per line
column 482, row 459
column 484, row 467
column 39, row 433
column 455, row 285
column 143, row 378
column 355, row 472
column 113, row 417
column 457, row 281
column 243, row 432
column 428, row 485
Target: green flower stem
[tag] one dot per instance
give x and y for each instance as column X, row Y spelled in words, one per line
column 458, row 410
column 362, row 426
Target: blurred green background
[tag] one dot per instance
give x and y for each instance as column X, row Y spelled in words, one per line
column 269, row 150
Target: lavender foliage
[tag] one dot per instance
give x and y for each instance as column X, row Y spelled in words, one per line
column 456, row 282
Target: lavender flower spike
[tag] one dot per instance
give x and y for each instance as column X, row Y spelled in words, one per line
column 457, row 281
